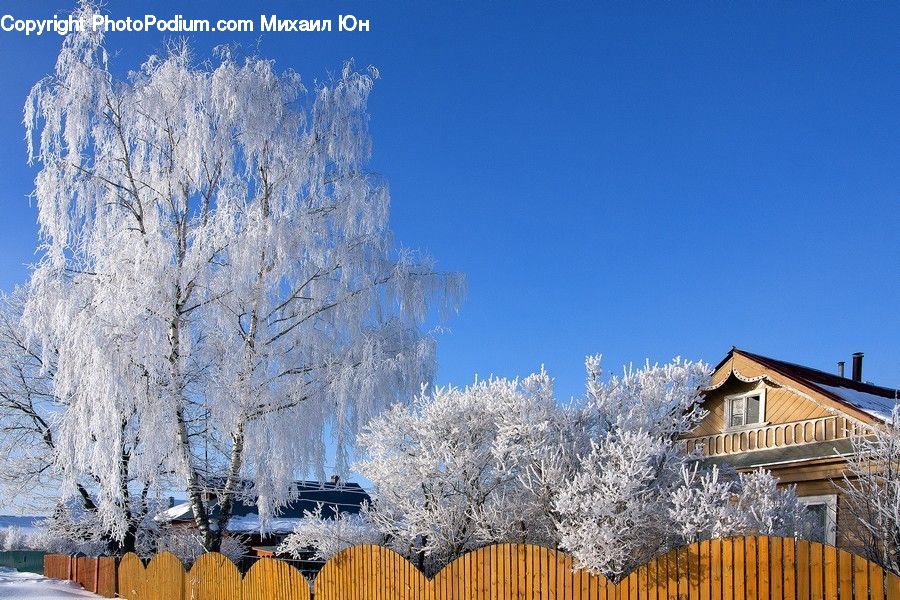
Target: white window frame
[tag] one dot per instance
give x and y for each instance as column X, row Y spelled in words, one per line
column 830, row 502
column 759, row 391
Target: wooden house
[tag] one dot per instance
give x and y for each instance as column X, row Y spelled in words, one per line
column 795, row 421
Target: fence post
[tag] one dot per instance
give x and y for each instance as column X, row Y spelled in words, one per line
column 96, row 575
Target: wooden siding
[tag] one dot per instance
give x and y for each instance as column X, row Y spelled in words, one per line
column 812, row 479
column 789, row 419
column 782, row 406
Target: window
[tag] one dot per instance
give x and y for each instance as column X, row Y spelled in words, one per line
column 746, row 409
column 823, row 511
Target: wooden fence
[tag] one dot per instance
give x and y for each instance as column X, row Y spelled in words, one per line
column 25, row 561
column 743, row 568
column 95, row 574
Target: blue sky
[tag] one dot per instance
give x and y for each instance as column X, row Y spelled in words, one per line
column 637, row 179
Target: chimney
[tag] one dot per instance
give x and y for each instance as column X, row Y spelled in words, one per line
column 840, row 368
column 857, row 366
column 335, row 479
column 171, row 501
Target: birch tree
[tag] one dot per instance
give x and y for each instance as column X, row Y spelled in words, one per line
column 217, row 262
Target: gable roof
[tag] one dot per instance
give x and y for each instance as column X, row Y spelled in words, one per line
column 874, row 401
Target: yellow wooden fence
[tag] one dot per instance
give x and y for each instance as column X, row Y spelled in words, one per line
column 743, row 568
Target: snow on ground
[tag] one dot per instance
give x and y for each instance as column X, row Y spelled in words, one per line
column 28, row 586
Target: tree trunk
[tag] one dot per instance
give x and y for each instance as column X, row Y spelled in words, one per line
column 199, row 509
column 234, row 472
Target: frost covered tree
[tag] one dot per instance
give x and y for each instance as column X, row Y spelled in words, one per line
column 638, row 492
column 187, row 545
column 614, row 511
column 30, row 417
column 606, row 479
column 710, row 504
column 871, row 486
column 13, row 538
column 703, row 506
column 217, row 272
column 455, row 470
column 460, row 468
column 29, row 411
column 772, row 509
column 325, row 537
column 70, row 530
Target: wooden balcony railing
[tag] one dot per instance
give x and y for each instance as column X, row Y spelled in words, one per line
column 777, row 435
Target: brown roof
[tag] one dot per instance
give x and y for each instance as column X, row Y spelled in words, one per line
column 872, row 399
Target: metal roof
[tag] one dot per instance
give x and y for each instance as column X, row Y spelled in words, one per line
column 344, row 497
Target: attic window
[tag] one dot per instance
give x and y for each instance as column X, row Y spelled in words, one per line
column 746, row 409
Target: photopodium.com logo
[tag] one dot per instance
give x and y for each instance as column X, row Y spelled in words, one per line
column 178, row 24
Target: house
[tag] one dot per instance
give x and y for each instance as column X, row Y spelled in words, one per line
column 795, row 421
column 334, row 496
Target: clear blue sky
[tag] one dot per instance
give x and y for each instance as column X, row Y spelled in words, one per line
column 642, row 180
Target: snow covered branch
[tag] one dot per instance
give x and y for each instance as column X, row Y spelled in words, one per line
column 872, row 488
column 606, row 479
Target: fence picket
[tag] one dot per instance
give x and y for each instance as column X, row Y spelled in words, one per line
column 776, row 551
column 270, row 579
column 845, row 575
column 672, row 575
column 739, row 569
column 715, row 578
column 861, row 578
column 751, row 561
column 816, row 565
column 131, row 577
column 789, row 588
column 876, row 582
column 893, row 586
column 802, row 570
column 728, row 570
column 831, row 573
column 214, row 577
column 167, row 574
column 762, row 567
